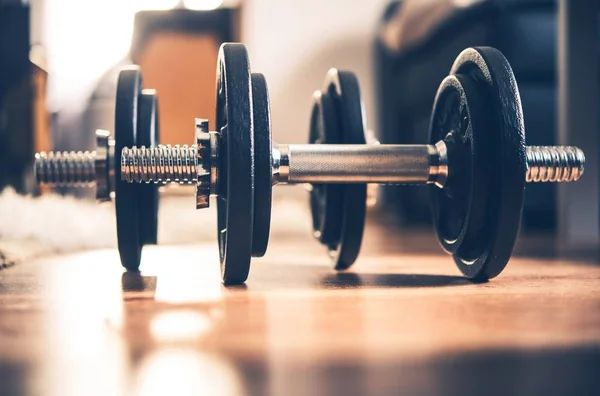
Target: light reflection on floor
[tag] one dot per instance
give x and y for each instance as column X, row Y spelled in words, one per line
column 95, row 307
column 299, row 328
column 180, row 326
column 85, row 320
column 184, row 371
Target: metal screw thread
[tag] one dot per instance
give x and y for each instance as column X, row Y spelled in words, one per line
column 554, row 163
column 67, row 168
column 160, row 164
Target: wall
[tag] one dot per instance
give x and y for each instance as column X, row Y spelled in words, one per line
column 294, row 43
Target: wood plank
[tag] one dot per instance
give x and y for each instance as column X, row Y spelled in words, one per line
column 402, row 321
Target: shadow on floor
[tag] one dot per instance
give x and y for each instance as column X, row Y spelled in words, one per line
column 353, row 280
column 270, row 276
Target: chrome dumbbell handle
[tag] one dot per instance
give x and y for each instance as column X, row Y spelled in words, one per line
column 298, row 163
column 292, row 164
column 405, row 164
column 384, row 164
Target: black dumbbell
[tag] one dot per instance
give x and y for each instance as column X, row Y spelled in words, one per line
column 476, row 162
column 476, row 159
column 136, row 206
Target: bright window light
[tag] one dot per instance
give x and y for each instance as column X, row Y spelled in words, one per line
column 202, row 4
column 84, row 39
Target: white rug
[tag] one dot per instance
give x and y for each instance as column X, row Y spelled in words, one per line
column 52, row 224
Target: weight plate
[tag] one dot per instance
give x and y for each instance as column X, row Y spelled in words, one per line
column 263, row 165
column 235, row 204
column 491, row 224
column 460, row 209
column 126, row 194
column 326, row 200
column 347, row 110
column 148, row 135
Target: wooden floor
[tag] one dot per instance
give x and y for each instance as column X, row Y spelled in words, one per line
column 402, row 322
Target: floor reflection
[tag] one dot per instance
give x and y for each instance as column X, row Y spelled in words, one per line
column 180, row 326
column 194, row 278
column 298, row 333
column 301, row 328
column 172, row 342
column 184, row 371
column 108, row 326
column 84, row 353
column 553, row 371
column 138, row 286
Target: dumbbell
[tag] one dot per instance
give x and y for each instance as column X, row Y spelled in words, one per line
column 136, row 206
column 476, row 161
column 239, row 165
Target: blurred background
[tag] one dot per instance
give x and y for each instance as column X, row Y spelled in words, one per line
column 318, row 35
column 400, row 51
column 80, row 46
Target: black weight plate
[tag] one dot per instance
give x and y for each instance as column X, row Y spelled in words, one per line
column 343, row 87
column 148, row 135
column 326, row 200
column 263, row 165
column 235, row 204
column 126, row 194
column 460, row 209
column 493, row 98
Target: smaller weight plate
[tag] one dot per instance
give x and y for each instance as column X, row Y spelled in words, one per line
column 345, row 210
column 148, row 135
column 489, row 224
column 263, row 165
column 235, row 204
column 326, row 200
column 460, row 209
column 126, row 194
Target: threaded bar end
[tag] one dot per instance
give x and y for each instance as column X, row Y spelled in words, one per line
column 554, row 163
column 66, row 168
column 160, row 164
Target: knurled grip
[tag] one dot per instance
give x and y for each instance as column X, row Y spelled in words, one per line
column 329, row 163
